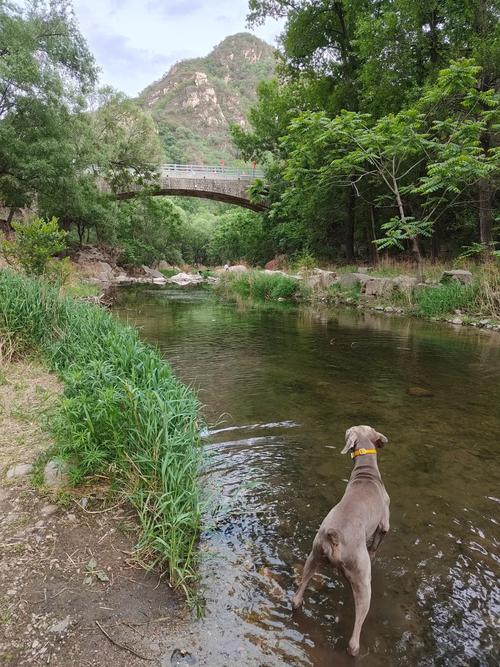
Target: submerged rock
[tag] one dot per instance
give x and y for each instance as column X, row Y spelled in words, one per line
column 420, row 392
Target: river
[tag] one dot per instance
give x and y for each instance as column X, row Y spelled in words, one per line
column 279, row 386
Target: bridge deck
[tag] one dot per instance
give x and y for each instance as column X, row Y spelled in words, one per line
column 206, row 171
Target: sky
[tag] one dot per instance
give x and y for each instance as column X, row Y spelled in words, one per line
column 136, row 41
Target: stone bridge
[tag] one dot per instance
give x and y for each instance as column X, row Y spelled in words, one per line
column 217, row 182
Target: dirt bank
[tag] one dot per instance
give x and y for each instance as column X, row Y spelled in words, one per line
column 71, row 589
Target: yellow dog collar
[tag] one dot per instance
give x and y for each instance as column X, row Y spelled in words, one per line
column 360, row 452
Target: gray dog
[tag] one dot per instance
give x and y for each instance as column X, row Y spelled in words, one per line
column 352, row 531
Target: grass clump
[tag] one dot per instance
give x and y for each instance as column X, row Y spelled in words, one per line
column 445, row 298
column 123, row 414
column 261, row 286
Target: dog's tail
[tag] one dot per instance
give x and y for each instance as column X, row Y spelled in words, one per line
column 331, row 545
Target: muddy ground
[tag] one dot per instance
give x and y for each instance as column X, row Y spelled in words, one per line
column 71, row 589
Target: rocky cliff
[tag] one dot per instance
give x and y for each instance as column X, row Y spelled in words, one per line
column 196, row 101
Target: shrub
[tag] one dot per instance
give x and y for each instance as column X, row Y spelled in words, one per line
column 36, row 242
column 123, row 414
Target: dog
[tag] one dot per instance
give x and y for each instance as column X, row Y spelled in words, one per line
column 353, row 530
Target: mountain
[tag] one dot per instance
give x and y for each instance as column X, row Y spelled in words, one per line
column 196, row 101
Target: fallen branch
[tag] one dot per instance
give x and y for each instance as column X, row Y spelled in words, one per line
column 122, row 646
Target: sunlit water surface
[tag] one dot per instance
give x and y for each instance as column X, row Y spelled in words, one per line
column 280, row 386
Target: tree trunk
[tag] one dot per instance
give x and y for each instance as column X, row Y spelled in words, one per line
column 349, row 229
column 486, row 213
column 435, row 243
column 372, row 235
column 415, row 246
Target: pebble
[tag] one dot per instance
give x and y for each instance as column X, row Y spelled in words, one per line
column 20, row 470
column 48, row 510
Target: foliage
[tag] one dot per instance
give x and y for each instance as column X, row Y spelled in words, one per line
column 123, row 414
column 377, row 127
column 148, row 229
column 36, row 242
column 240, row 235
column 261, row 286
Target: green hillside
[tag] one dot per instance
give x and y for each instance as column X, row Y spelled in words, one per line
column 196, row 101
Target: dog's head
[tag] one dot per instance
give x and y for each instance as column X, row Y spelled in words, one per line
column 361, row 436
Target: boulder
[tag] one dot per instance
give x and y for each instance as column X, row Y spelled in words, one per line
column 350, row 280
column 269, row 272
column 55, row 474
column 378, row 287
column 164, row 266
column 237, row 268
column 320, row 279
column 185, row 279
column 20, row 470
column 404, row 283
column 98, row 271
column 278, row 262
column 457, row 275
column 152, row 273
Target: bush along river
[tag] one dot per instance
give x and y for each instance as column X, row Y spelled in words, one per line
column 280, row 386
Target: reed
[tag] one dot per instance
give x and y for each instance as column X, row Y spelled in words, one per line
column 123, row 414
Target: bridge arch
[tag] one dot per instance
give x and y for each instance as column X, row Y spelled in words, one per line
column 228, row 185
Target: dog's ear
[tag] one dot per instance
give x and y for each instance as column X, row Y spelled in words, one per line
column 350, row 440
column 380, row 440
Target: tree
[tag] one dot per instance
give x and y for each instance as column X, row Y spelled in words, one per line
column 45, row 71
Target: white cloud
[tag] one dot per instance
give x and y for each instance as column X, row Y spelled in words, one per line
column 136, row 41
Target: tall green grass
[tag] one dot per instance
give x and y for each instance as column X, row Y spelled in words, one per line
column 123, row 414
column 444, row 299
column 260, row 286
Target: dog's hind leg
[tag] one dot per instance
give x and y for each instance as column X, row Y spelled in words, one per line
column 309, row 569
column 359, row 576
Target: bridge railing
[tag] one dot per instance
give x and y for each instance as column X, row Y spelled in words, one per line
column 209, row 171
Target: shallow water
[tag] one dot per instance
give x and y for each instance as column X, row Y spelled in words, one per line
column 280, row 386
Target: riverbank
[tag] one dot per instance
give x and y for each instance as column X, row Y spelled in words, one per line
column 123, row 418
column 455, row 296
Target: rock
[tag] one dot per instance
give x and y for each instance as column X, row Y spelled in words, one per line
column 455, row 320
column 419, row 392
column 364, row 269
column 55, row 474
column 185, row 279
column 404, row 283
column 165, row 266
column 378, row 286
column 60, row 627
column 181, row 658
column 20, row 470
column 457, row 275
column 320, row 279
column 484, row 322
column 278, row 262
column 159, row 281
column 237, row 268
column 152, row 273
column 274, row 273
column 100, row 271
column 49, row 510
column 212, row 280
column 350, row 280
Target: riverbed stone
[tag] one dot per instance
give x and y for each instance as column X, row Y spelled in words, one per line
column 320, row 279
column 55, row 474
column 185, row 279
column 457, row 275
column 350, row 280
column 20, row 470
